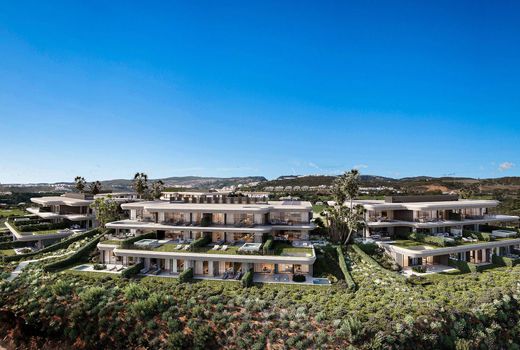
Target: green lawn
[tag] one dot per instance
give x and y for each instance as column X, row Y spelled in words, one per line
column 408, row 243
column 111, row 241
column 318, row 208
column 46, row 232
column 287, row 249
column 7, row 252
column 12, row 212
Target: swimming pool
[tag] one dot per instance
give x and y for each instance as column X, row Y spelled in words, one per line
column 320, row 281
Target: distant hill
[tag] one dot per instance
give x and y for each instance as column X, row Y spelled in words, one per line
column 408, row 184
column 195, row 182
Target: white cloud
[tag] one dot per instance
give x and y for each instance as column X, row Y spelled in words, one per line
column 314, row 165
column 505, row 166
column 360, row 166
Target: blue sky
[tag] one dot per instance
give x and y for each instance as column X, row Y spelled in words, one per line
column 105, row 89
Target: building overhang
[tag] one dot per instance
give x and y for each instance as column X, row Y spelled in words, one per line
column 144, row 225
column 254, row 259
column 422, row 251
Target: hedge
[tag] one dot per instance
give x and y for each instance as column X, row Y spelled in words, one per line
column 75, row 257
column 132, row 270
column 268, row 245
column 41, row 226
column 504, row 261
column 200, row 242
column 128, row 243
column 464, row 266
column 186, row 275
column 247, row 279
column 12, row 244
column 344, row 268
column 60, row 245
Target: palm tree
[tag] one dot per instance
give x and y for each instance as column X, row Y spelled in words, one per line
column 95, row 187
column 140, row 183
column 157, row 188
column 80, row 183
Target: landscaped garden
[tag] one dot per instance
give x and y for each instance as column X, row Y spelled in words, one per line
column 83, row 310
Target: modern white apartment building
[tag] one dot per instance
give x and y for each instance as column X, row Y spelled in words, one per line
column 73, row 207
column 233, row 237
column 459, row 224
column 59, row 217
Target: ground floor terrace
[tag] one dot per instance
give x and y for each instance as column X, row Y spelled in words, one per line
column 212, row 263
column 410, row 254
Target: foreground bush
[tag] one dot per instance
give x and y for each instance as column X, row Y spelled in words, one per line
column 186, row 275
column 247, row 279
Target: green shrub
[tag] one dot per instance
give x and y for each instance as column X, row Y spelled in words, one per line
column 481, row 236
column 419, row 268
column 464, row 266
column 344, row 268
column 201, row 242
column 132, row 270
column 42, row 226
column 369, row 248
column 268, row 245
column 434, row 240
column 298, row 278
column 80, row 255
column 504, row 261
column 247, row 279
column 99, row 266
column 56, row 246
column 186, row 275
column 367, row 258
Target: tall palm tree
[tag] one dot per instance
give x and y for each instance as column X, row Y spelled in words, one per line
column 80, row 183
column 95, row 187
column 140, row 183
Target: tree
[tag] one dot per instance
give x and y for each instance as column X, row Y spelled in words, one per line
column 344, row 221
column 157, row 189
column 140, row 184
column 469, row 190
column 80, row 183
column 106, row 209
column 95, row 187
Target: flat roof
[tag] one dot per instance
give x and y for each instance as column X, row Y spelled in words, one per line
column 61, row 200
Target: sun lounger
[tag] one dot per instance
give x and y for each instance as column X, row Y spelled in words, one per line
column 186, row 247
column 215, row 247
column 224, row 247
column 120, row 268
column 145, row 270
